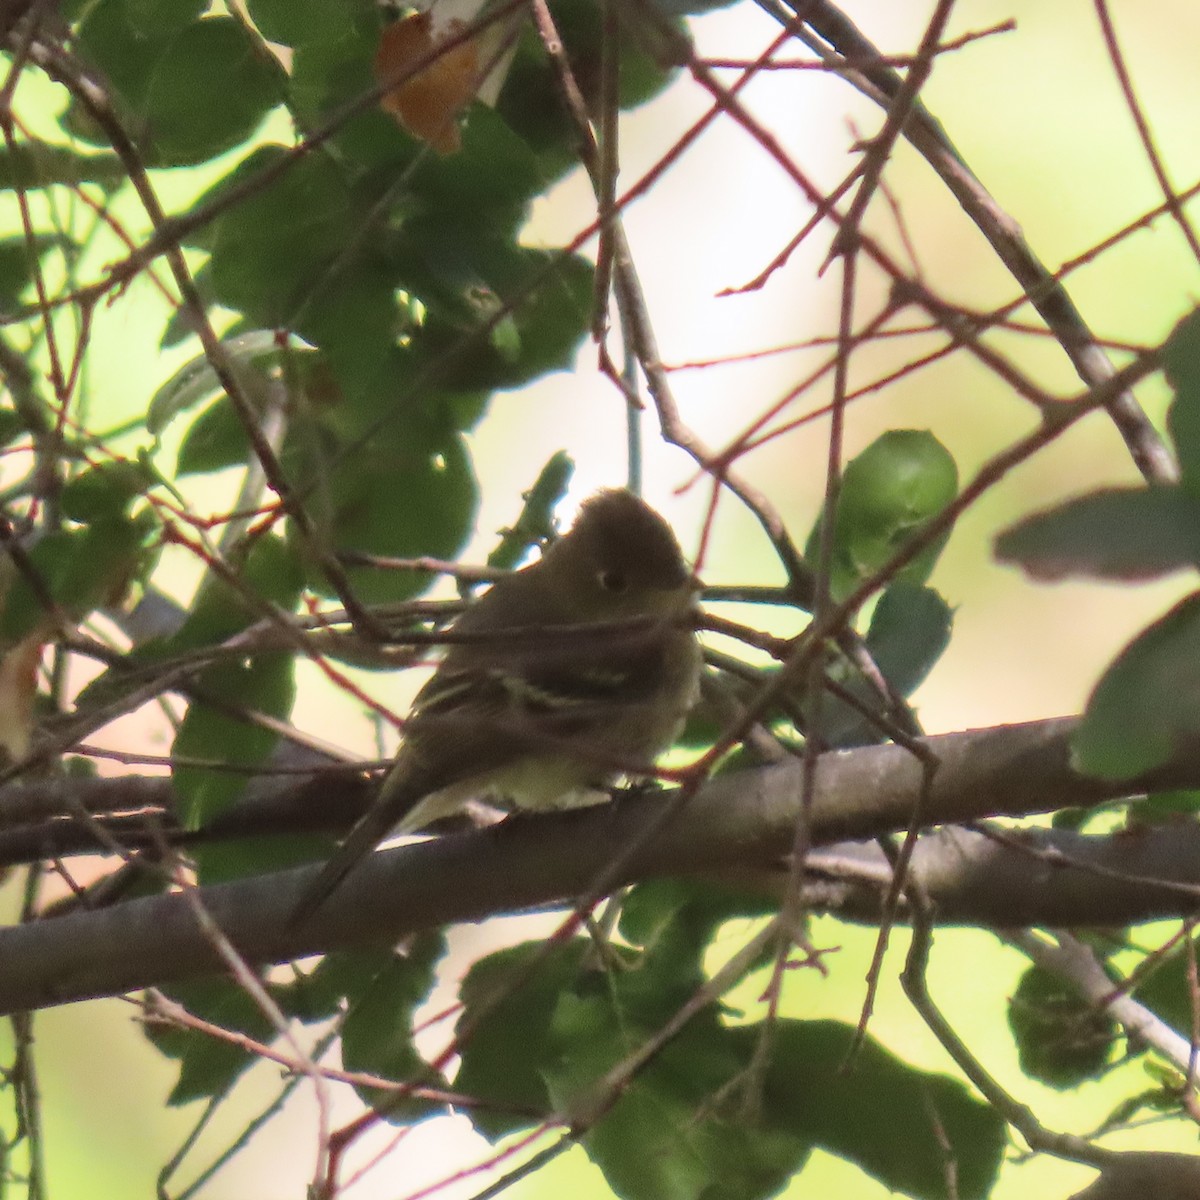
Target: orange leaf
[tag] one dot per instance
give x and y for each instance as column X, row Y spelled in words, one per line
column 427, row 103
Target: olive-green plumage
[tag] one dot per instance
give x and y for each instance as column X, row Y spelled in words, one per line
column 541, row 713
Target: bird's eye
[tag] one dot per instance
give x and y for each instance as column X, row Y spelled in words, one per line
column 613, row 581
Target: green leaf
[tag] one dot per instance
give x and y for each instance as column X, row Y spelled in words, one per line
column 657, row 1144
column 1163, row 808
column 199, row 228
column 1119, row 533
column 105, row 492
column 899, row 1124
column 298, row 22
column 471, row 283
column 16, row 265
column 186, row 89
column 270, row 250
column 209, row 731
column 212, row 729
column 668, row 1136
column 909, row 632
column 674, row 921
column 216, row 439
column 1167, row 991
column 508, row 1000
column 1073, row 819
column 406, row 490
column 1146, row 706
column 688, row 8
column 531, row 99
column 494, row 167
column 209, row 1065
column 296, row 379
column 536, row 523
column 12, row 426
column 150, row 17
column 353, row 315
column 125, row 57
column 333, row 70
column 249, row 353
column 540, row 1033
column 180, row 327
column 377, row 1035
column 1181, row 360
column 39, row 165
column 241, row 858
column 80, row 569
column 340, row 978
column 209, row 90
column 270, row 572
column 320, row 993
column 892, row 489
column 1062, row 1040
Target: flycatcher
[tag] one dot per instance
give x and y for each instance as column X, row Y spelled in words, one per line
column 535, row 708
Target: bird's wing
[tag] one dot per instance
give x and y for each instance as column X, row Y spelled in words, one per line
column 558, row 696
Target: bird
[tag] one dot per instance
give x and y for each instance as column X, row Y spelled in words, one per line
column 526, row 709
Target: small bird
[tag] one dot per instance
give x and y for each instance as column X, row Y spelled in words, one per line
column 532, row 711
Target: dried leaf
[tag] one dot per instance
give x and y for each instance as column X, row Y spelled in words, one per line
column 428, row 103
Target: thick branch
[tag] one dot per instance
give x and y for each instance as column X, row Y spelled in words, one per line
column 1145, row 1173
column 737, row 820
column 1008, row 878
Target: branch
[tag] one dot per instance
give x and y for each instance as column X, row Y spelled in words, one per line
column 736, row 820
column 1017, row 878
column 1145, row 1173
column 1077, row 964
column 1042, row 288
column 37, row 818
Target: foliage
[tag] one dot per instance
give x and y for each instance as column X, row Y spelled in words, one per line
column 340, row 303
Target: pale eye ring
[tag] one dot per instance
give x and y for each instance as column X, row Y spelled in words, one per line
column 613, row 581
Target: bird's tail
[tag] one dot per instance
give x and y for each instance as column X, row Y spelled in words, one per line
column 373, row 826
